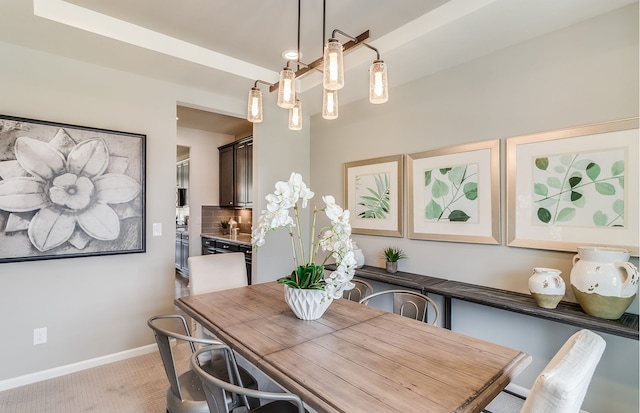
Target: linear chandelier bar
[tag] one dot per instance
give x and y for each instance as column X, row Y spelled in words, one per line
column 348, row 47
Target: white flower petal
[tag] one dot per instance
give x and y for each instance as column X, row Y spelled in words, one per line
column 49, row 229
column 101, row 222
column 39, row 158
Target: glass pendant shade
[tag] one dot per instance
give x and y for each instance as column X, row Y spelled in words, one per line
column 254, row 106
column 330, row 104
column 287, row 88
column 378, row 88
column 333, row 77
column 295, row 116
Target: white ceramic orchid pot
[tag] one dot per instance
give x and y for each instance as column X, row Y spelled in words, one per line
column 306, row 304
column 546, row 287
column 604, row 283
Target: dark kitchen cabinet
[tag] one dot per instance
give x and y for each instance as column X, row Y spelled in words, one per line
column 236, row 173
column 182, row 252
column 219, row 246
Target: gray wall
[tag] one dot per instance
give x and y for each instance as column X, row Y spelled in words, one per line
column 584, row 74
column 93, row 306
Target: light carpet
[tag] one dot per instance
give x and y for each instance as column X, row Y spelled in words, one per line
column 134, row 385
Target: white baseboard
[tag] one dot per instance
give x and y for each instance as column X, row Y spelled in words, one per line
column 74, row 367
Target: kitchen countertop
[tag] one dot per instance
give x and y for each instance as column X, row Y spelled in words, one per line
column 241, row 238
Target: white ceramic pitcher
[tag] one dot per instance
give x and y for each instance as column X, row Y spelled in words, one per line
column 604, row 283
column 546, row 286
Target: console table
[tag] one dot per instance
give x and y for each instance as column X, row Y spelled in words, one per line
column 566, row 312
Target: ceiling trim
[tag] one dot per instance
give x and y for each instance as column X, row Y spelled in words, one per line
column 107, row 26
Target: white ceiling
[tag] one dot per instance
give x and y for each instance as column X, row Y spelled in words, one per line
column 223, row 46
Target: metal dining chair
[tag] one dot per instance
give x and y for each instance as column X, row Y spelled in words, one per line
column 408, row 304
column 219, row 389
column 361, row 290
column 562, row 385
column 185, row 394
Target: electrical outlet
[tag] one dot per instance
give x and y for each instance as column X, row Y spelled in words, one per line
column 39, row 335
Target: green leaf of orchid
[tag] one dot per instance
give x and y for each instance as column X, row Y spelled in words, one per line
column 39, row 158
column 100, row 221
column 49, row 229
column 22, row 195
column 89, row 158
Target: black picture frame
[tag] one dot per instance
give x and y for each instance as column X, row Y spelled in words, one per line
column 70, row 191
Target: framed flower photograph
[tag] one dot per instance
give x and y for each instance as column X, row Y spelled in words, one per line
column 454, row 193
column 69, row 191
column 373, row 194
column 574, row 187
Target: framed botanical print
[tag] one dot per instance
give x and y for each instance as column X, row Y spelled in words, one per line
column 454, row 193
column 374, row 192
column 574, row 187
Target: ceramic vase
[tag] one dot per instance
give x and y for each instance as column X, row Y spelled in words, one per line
column 604, row 283
column 306, row 304
column 547, row 287
column 392, row 267
column 358, row 255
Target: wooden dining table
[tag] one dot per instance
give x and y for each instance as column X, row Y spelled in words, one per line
column 357, row 358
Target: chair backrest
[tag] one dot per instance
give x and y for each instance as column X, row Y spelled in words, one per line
column 216, row 272
column 217, row 390
column 163, row 338
column 408, row 304
column 361, row 290
column 563, row 383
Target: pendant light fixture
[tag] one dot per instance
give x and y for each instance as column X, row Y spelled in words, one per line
column 333, row 77
column 287, row 88
column 378, row 88
column 332, row 65
column 295, row 116
column 330, row 104
column 254, row 103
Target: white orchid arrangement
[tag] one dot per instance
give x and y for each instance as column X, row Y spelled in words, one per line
column 336, row 238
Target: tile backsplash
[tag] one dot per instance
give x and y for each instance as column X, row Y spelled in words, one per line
column 213, row 215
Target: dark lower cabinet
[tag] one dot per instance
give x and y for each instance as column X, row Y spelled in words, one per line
column 182, row 252
column 217, row 246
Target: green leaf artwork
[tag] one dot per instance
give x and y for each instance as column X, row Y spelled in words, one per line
column 581, row 189
column 451, row 194
column 373, row 195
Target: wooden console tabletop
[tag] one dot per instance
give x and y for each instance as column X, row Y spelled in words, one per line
column 566, row 312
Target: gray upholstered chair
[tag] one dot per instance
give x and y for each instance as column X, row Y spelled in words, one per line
column 408, row 304
column 185, row 394
column 562, row 385
column 361, row 290
column 219, row 389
